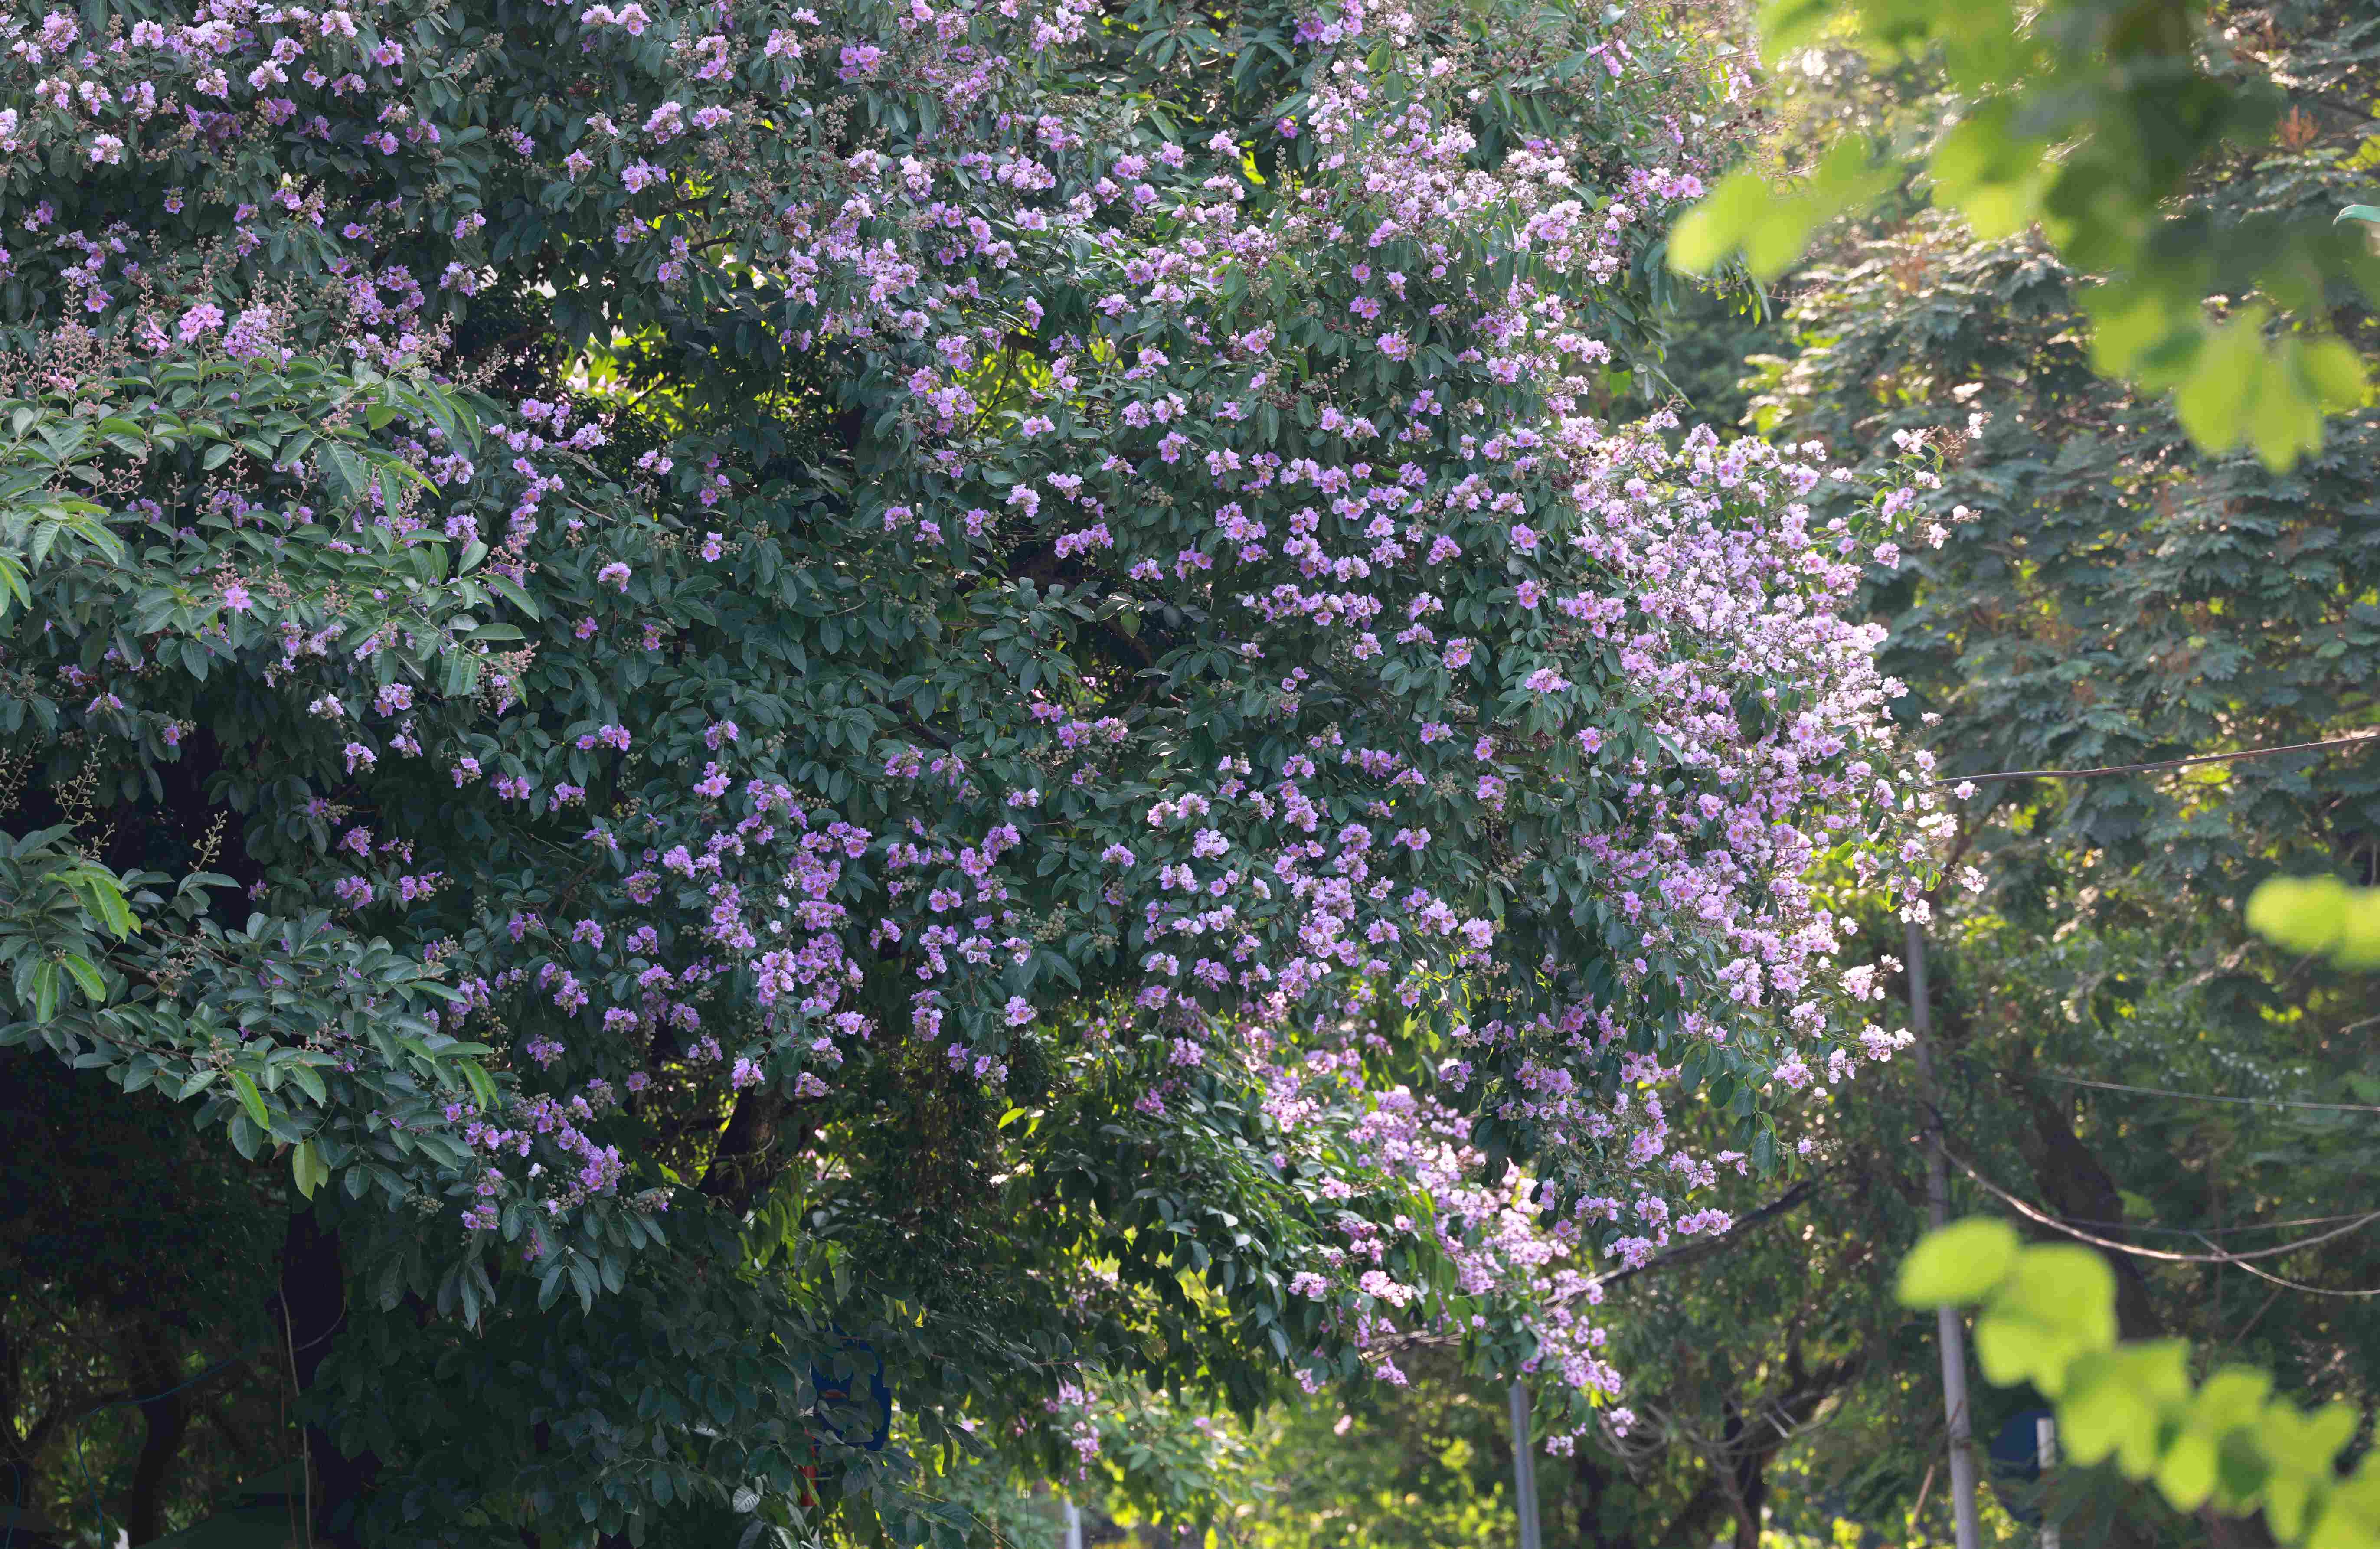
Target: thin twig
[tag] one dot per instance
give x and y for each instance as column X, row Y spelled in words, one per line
column 304, row 1462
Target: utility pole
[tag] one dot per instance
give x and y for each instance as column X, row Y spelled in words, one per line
column 1937, row 1210
column 2045, row 1442
column 1525, row 1467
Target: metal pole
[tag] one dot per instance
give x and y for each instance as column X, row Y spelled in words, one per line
column 2045, row 1441
column 1937, row 1210
column 1525, row 1466
column 1074, row 1526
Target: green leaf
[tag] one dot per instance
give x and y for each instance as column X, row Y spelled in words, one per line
column 1772, row 228
column 1990, row 174
column 251, row 1099
column 306, row 1166
column 347, row 471
column 511, row 592
column 2186, row 1474
column 2224, row 381
column 2057, row 1306
column 2319, row 916
column 86, row 977
column 1956, row 1265
column 2113, row 1400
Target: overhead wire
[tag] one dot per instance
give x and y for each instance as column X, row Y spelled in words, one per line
column 2207, row 1096
column 2160, row 765
column 2301, row 1286
column 2220, row 1256
column 2056, row 1224
column 2209, row 1231
column 1967, row 1061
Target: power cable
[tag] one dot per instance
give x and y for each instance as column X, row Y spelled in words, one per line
column 2168, row 1092
column 2207, row 1231
column 2213, row 1097
column 2301, row 1286
column 2152, row 768
column 2055, row 1224
column 1969, row 1066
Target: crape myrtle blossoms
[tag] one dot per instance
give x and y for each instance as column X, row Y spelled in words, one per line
column 1106, row 618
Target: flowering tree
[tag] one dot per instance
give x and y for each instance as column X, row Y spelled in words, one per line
column 963, row 694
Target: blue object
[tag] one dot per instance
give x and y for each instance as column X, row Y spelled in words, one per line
column 831, row 1390
column 2016, row 1463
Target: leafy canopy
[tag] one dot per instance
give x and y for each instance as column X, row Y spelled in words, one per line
column 2090, row 119
column 792, row 696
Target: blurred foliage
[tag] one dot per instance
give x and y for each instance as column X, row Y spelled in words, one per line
column 2092, row 124
column 2047, row 1317
column 2320, row 916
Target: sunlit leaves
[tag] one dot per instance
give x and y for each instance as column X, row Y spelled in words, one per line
column 2087, row 119
column 2046, row 1315
column 1958, row 1262
column 1769, row 226
column 2319, row 916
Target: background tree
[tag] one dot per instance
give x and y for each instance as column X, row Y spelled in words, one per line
column 2094, row 123
column 2110, row 1028
column 909, row 705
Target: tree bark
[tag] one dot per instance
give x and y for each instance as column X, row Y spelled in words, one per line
column 1748, row 1489
column 747, row 1159
column 314, row 1306
column 165, row 1424
column 2076, row 1185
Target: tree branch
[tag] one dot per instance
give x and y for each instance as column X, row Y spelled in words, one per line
column 1710, row 1247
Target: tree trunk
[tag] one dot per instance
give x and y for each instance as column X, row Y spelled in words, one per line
column 314, row 1304
column 747, row 1159
column 165, row 1421
column 1690, row 1527
column 1747, row 1479
column 2070, row 1178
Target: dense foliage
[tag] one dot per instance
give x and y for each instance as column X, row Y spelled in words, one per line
column 2091, row 123
column 2120, row 1051
column 2116, row 596
column 983, row 700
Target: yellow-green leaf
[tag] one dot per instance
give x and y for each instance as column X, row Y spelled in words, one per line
column 2186, row 1473
column 1956, row 1265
